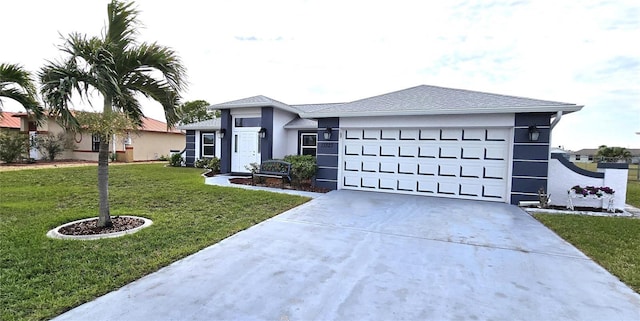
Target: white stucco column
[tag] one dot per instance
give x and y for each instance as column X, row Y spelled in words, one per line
column 616, row 176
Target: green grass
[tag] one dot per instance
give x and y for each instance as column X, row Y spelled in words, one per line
column 613, row 242
column 633, row 169
column 41, row 277
column 633, row 193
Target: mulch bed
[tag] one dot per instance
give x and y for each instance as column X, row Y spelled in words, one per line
column 120, row 224
column 277, row 183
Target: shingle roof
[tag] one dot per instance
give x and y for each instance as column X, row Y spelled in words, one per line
column 8, row 121
column 308, row 108
column 419, row 100
column 255, row 101
column 430, row 100
column 209, row 124
column 302, row 123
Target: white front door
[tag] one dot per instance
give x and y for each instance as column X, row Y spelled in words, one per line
column 33, row 151
column 245, row 146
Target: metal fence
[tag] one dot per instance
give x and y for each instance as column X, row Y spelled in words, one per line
column 634, row 172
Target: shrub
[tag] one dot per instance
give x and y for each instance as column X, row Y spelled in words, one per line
column 163, row 158
column 176, row 160
column 303, row 167
column 201, row 163
column 253, row 167
column 12, row 145
column 51, row 146
column 214, row 164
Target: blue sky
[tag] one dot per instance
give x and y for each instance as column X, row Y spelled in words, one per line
column 582, row 52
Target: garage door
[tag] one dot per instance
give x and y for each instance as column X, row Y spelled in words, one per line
column 446, row 162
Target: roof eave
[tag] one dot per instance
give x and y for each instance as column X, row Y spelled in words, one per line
column 198, row 127
column 253, row 105
column 501, row 110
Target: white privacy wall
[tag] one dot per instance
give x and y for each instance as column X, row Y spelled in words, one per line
column 562, row 178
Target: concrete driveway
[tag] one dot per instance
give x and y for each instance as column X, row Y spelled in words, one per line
column 369, row 256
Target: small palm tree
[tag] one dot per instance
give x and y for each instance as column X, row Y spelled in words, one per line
column 118, row 67
column 16, row 84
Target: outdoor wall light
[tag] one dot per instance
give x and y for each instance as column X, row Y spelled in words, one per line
column 534, row 133
column 262, row 132
column 222, row 132
column 327, row 133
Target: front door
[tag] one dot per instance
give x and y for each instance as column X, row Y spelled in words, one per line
column 33, row 151
column 246, row 149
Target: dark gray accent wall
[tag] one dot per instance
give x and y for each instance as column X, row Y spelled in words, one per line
column 614, row 165
column 266, row 148
column 225, row 142
column 530, row 158
column 190, row 150
column 327, row 155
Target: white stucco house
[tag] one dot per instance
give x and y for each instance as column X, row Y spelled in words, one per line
column 424, row 140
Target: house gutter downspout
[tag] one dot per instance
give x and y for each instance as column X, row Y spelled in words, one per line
column 556, row 120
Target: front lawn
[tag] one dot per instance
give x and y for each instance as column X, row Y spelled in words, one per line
column 41, row 277
column 633, row 193
column 613, row 242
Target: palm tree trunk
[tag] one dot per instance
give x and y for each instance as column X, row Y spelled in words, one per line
column 104, row 219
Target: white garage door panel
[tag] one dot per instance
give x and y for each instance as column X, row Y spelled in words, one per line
column 447, row 162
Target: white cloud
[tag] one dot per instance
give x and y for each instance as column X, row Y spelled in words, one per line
column 311, row 51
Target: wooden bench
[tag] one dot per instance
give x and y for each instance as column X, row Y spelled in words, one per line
column 273, row 168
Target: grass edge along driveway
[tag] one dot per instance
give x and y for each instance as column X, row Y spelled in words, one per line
column 612, row 242
column 41, row 277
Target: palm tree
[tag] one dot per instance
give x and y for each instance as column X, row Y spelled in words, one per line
column 606, row 153
column 118, row 67
column 16, row 84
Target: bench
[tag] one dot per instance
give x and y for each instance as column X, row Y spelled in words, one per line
column 273, row 168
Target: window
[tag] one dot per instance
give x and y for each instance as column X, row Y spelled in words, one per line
column 248, row 122
column 591, row 158
column 235, row 143
column 95, row 142
column 208, row 145
column 577, row 157
column 308, row 144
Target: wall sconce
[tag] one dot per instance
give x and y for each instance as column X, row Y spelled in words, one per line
column 327, row 133
column 534, row 133
column 262, row 132
column 222, row 132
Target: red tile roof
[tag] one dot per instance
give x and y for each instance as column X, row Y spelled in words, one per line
column 152, row 125
column 8, row 121
column 148, row 124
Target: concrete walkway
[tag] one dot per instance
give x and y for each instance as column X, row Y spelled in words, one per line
column 368, row 256
column 223, row 180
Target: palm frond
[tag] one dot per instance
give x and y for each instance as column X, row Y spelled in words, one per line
column 149, row 58
column 158, row 90
column 129, row 105
column 58, row 83
column 16, row 83
column 122, row 25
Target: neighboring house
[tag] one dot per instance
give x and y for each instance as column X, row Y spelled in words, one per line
column 8, row 122
column 583, row 156
column 588, row 155
column 423, row 140
column 151, row 141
